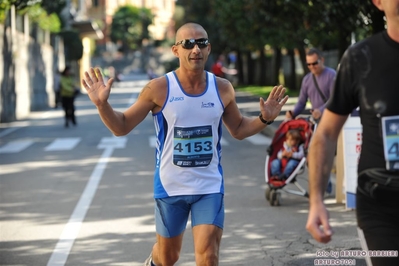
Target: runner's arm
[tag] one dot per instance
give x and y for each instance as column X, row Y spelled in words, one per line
column 320, row 158
column 241, row 126
column 119, row 123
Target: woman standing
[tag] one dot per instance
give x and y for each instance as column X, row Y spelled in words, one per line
column 68, row 96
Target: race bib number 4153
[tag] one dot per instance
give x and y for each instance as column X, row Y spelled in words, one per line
column 192, row 146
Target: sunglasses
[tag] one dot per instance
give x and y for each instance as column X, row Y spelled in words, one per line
column 313, row 64
column 190, row 43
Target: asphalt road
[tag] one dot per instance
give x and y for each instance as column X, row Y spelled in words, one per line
column 79, row 196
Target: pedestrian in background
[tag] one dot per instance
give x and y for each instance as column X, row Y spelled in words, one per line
column 68, row 94
column 368, row 78
column 218, row 68
column 316, row 86
column 188, row 107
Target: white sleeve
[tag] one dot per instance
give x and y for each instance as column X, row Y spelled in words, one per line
column 299, row 154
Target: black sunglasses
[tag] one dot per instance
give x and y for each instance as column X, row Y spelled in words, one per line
column 190, row 43
column 313, row 64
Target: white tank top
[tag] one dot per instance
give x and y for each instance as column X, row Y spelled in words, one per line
column 188, row 150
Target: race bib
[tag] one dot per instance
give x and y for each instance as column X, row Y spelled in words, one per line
column 192, row 146
column 390, row 130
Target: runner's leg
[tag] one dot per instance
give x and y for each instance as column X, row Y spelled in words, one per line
column 167, row 250
column 207, row 219
column 207, row 240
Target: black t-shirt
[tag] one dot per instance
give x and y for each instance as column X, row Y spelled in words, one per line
column 367, row 76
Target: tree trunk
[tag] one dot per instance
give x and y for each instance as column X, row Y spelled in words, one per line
column 276, row 65
column 291, row 82
column 263, row 69
column 239, row 67
column 343, row 41
column 302, row 55
column 250, row 66
column 7, row 87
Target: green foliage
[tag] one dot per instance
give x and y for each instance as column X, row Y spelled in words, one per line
column 250, row 24
column 178, row 16
column 264, row 91
column 51, row 23
column 193, row 11
column 53, row 6
column 5, row 6
column 73, row 45
column 46, row 22
column 43, row 12
column 130, row 26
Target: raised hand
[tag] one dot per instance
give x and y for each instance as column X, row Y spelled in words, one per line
column 271, row 108
column 94, row 84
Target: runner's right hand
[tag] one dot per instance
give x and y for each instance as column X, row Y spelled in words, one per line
column 97, row 90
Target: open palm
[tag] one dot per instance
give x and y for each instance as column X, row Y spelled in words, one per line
column 94, row 84
column 271, row 108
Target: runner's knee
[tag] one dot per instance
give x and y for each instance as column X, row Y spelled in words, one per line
column 209, row 257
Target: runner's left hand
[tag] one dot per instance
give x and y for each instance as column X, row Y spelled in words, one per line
column 271, row 108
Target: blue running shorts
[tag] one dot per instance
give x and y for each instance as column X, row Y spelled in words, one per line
column 171, row 214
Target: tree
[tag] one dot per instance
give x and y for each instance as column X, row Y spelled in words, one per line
column 73, row 44
column 45, row 14
column 331, row 24
column 48, row 10
column 246, row 26
column 130, row 26
column 193, row 12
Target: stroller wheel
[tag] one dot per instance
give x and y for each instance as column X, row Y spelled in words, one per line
column 267, row 193
column 275, row 198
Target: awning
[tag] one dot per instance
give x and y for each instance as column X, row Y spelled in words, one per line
column 88, row 28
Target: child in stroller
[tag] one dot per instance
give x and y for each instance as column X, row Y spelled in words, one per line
column 276, row 177
column 289, row 156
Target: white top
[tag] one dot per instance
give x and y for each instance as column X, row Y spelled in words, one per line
column 298, row 151
column 188, row 150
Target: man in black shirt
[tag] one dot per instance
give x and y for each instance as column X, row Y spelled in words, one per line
column 368, row 78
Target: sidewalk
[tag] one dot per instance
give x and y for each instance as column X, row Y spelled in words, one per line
column 339, row 214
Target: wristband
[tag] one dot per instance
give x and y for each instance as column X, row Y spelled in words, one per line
column 265, row 121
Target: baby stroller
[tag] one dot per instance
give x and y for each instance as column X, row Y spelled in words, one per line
column 273, row 193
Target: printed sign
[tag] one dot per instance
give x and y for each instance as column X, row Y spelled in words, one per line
column 352, row 142
column 390, row 135
column 192, row 146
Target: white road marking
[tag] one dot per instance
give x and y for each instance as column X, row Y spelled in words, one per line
column 72, row 228
column 16, row 146
column 62, row 144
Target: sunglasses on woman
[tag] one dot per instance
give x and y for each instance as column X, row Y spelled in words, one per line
column 190, row 43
